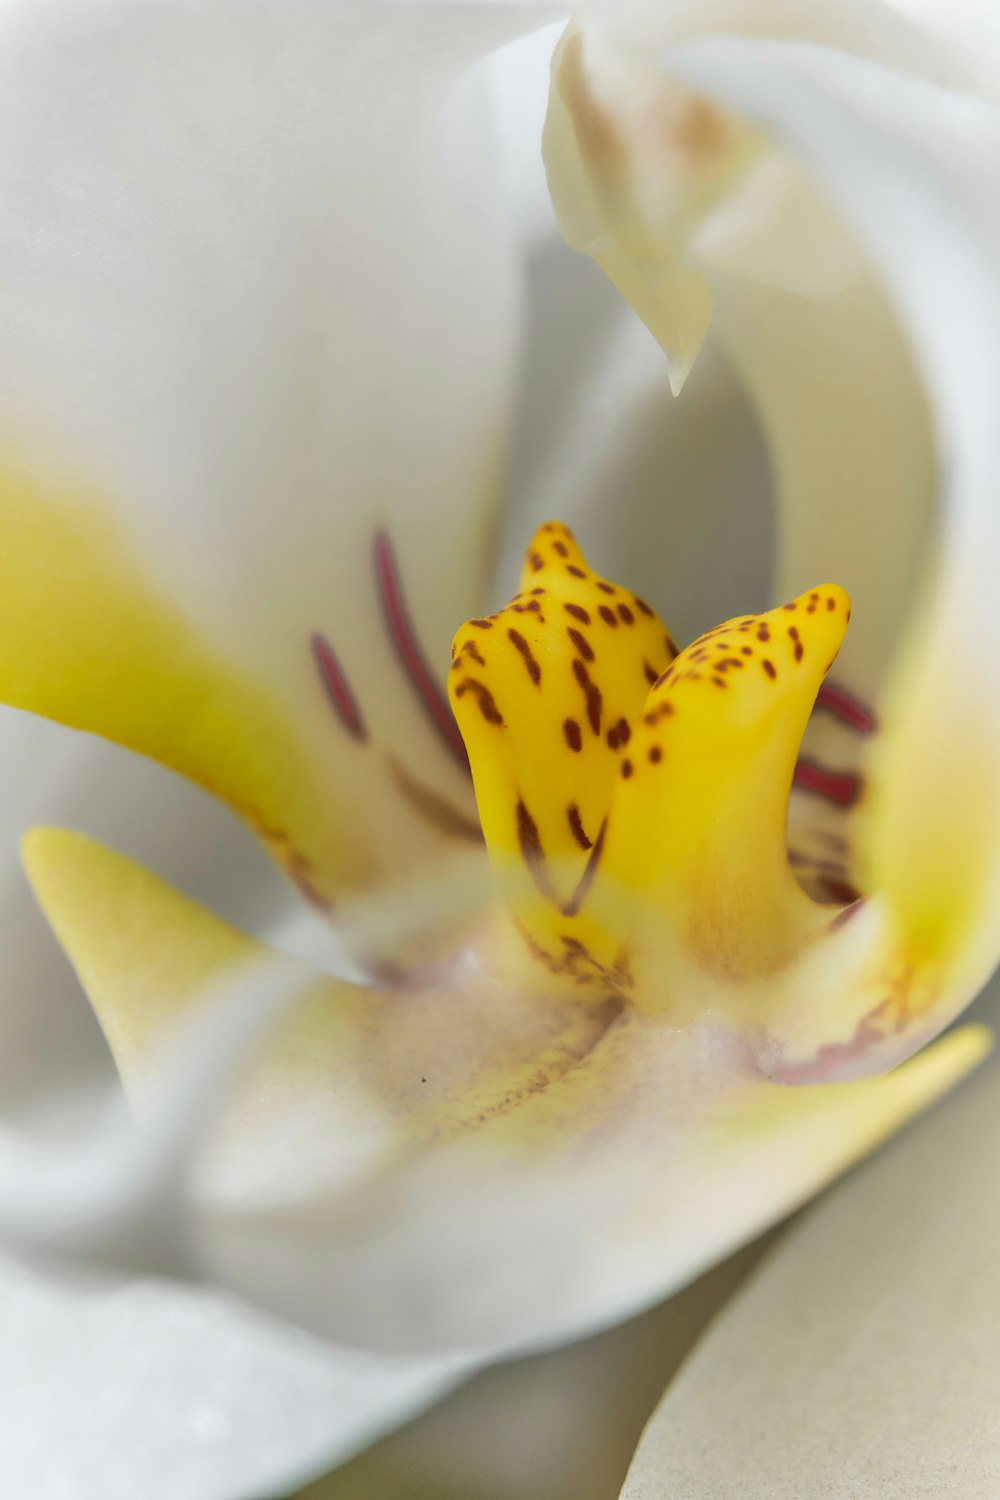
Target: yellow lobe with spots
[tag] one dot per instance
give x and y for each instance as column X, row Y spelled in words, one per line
column 548, row 693
column 634, row 801
column 697, row 826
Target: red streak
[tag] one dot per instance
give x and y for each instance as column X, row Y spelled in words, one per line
column 839, row 703
column 337, row 688
column 839, row 786
column 404, row 639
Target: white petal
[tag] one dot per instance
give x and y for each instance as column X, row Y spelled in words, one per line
column 258, row 306
column 860, row 1360
column 116, row 1390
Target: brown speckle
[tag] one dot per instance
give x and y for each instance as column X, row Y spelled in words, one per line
column 592, row 695
column 571, row 732
column 581, row 643
column 485, row 699
column 576, row 826
column 519, row 643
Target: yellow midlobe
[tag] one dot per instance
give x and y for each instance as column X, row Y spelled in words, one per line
column 547, row 693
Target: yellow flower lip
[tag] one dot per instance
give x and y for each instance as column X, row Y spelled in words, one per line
column 634, row 798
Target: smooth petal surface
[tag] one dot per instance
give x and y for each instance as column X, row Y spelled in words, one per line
column 112, row 1391
column 860, row 1359
column 258, row 318
column 557, row 1426
column 462, row 1166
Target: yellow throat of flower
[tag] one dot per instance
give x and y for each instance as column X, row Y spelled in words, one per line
column 634, row 798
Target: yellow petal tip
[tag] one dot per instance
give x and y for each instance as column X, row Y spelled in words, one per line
column 143, row 952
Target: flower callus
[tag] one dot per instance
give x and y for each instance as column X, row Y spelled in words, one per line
column 634, row 798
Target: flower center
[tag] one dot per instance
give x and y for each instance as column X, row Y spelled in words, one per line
column 634, row 798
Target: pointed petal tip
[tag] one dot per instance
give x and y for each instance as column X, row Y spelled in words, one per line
column 927, row 1077
column 143, row 952
column 963, row 1049
column 44, row 841
column 56, row 861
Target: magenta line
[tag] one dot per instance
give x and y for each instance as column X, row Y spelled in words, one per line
column 404, row 639
column 840, row 703
column 337, row 688
column 841, row 787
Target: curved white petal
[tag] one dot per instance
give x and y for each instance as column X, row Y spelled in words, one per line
column 860, row 1359
column 257, row 324
column 111, row 1390
column 917, row 37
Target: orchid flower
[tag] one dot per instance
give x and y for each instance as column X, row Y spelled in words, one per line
column 671, row 957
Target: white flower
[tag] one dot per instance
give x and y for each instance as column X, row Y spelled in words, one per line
column 260, row 308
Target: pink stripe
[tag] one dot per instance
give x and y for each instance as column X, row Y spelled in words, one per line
column 839, row 786
column 337, row 688
column 397, row 618
column 840, row 703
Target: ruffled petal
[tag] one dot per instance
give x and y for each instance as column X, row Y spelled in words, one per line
column 459, row 1166
column 259, row 315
